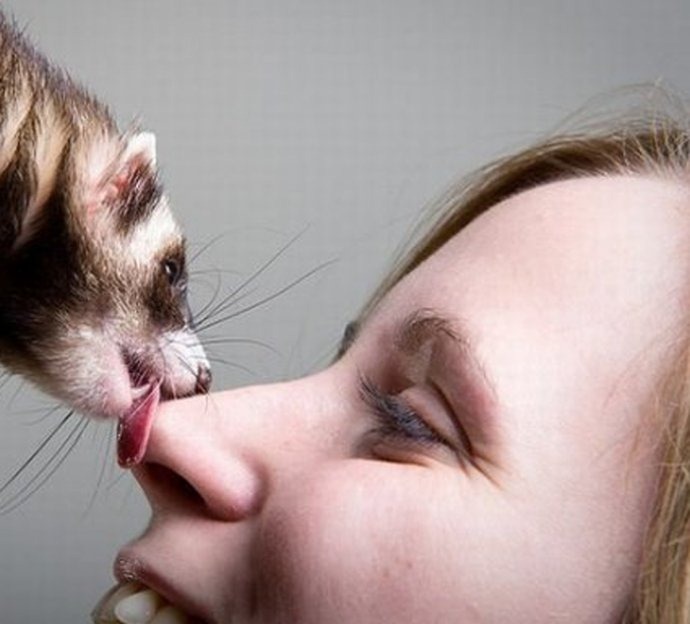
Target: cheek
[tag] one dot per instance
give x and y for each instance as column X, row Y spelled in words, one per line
column 355, row 545
column 376, row 542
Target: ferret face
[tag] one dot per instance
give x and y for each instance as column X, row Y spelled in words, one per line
column 97, row 310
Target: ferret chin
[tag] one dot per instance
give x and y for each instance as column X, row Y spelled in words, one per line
column 93, row 277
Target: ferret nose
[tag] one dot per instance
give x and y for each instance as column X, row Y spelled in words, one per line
column 203, row 379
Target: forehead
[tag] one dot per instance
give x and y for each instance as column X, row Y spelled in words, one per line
column 575, row 240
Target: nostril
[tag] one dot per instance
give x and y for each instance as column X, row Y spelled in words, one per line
column 201, row 493
column 206, row 479
column 174, row 485
column 203, row 380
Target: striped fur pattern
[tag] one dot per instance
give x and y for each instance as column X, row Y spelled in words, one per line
column 92, row 263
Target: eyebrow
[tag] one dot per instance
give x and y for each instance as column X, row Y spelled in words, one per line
column 423, row 326
column 427, row 326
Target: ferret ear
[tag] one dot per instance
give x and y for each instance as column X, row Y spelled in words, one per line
column 130, row 180
column 138, row 155
column 142, row 148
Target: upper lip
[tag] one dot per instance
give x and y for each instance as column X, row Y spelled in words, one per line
column 129, row 567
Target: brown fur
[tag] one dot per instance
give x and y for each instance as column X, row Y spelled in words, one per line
column 86, row 242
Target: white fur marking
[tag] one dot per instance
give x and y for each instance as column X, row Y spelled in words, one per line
column 142, row 144
column 147, row 238
column 50, row 142
column 14, row 118
column 183, row 355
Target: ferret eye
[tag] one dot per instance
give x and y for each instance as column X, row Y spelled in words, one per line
column 172, row 271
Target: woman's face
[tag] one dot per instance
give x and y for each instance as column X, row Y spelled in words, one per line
column 479, row 454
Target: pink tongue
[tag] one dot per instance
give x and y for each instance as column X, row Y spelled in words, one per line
column 134, row 427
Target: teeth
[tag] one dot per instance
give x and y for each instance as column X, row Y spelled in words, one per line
column 169, row 615
column 140, row 391
column 104, row 611
column 133, row 603
column 138, row 608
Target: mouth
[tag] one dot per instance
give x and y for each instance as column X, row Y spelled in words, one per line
column 134, row 425
column 135, row 603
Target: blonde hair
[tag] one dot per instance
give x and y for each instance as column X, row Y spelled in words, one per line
column 655, row 142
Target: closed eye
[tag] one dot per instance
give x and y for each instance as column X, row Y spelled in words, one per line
column 396, row 418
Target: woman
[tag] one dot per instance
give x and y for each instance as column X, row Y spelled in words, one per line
column 491, row 445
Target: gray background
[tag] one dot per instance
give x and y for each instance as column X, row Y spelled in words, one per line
column 334, row 120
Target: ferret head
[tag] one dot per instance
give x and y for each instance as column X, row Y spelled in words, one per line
column 95, row 307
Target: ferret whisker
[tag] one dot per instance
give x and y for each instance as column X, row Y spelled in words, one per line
column 45, row 415
column 263, row 268
column 234, row 365
column 165, row 372
column 173, row 393
column 106, row 440
column 210, row 302
column 39, row 409
column 121, row 475
column 227, row 302
column 185, row 364
column 16, row 393
column 214, row 271
column 5, row 378
column 213, row 306
column 190, row 362
column 206, row 246
column 169, row 339
column 221, row 340
column 83, row 424
column 209, row 399
column 241, row 341
column 35, row 454
column 36, row 482
column 268, row 298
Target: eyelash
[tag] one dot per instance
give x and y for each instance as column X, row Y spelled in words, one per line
column 396, row 419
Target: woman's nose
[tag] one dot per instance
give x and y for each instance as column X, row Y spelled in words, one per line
column 218, row 454
column 194, row 461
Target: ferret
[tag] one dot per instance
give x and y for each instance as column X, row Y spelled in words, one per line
column 93, row 277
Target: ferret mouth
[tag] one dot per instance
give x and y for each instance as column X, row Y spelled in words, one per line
column 139, row 371
column 134, row 425
column 135, row 603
